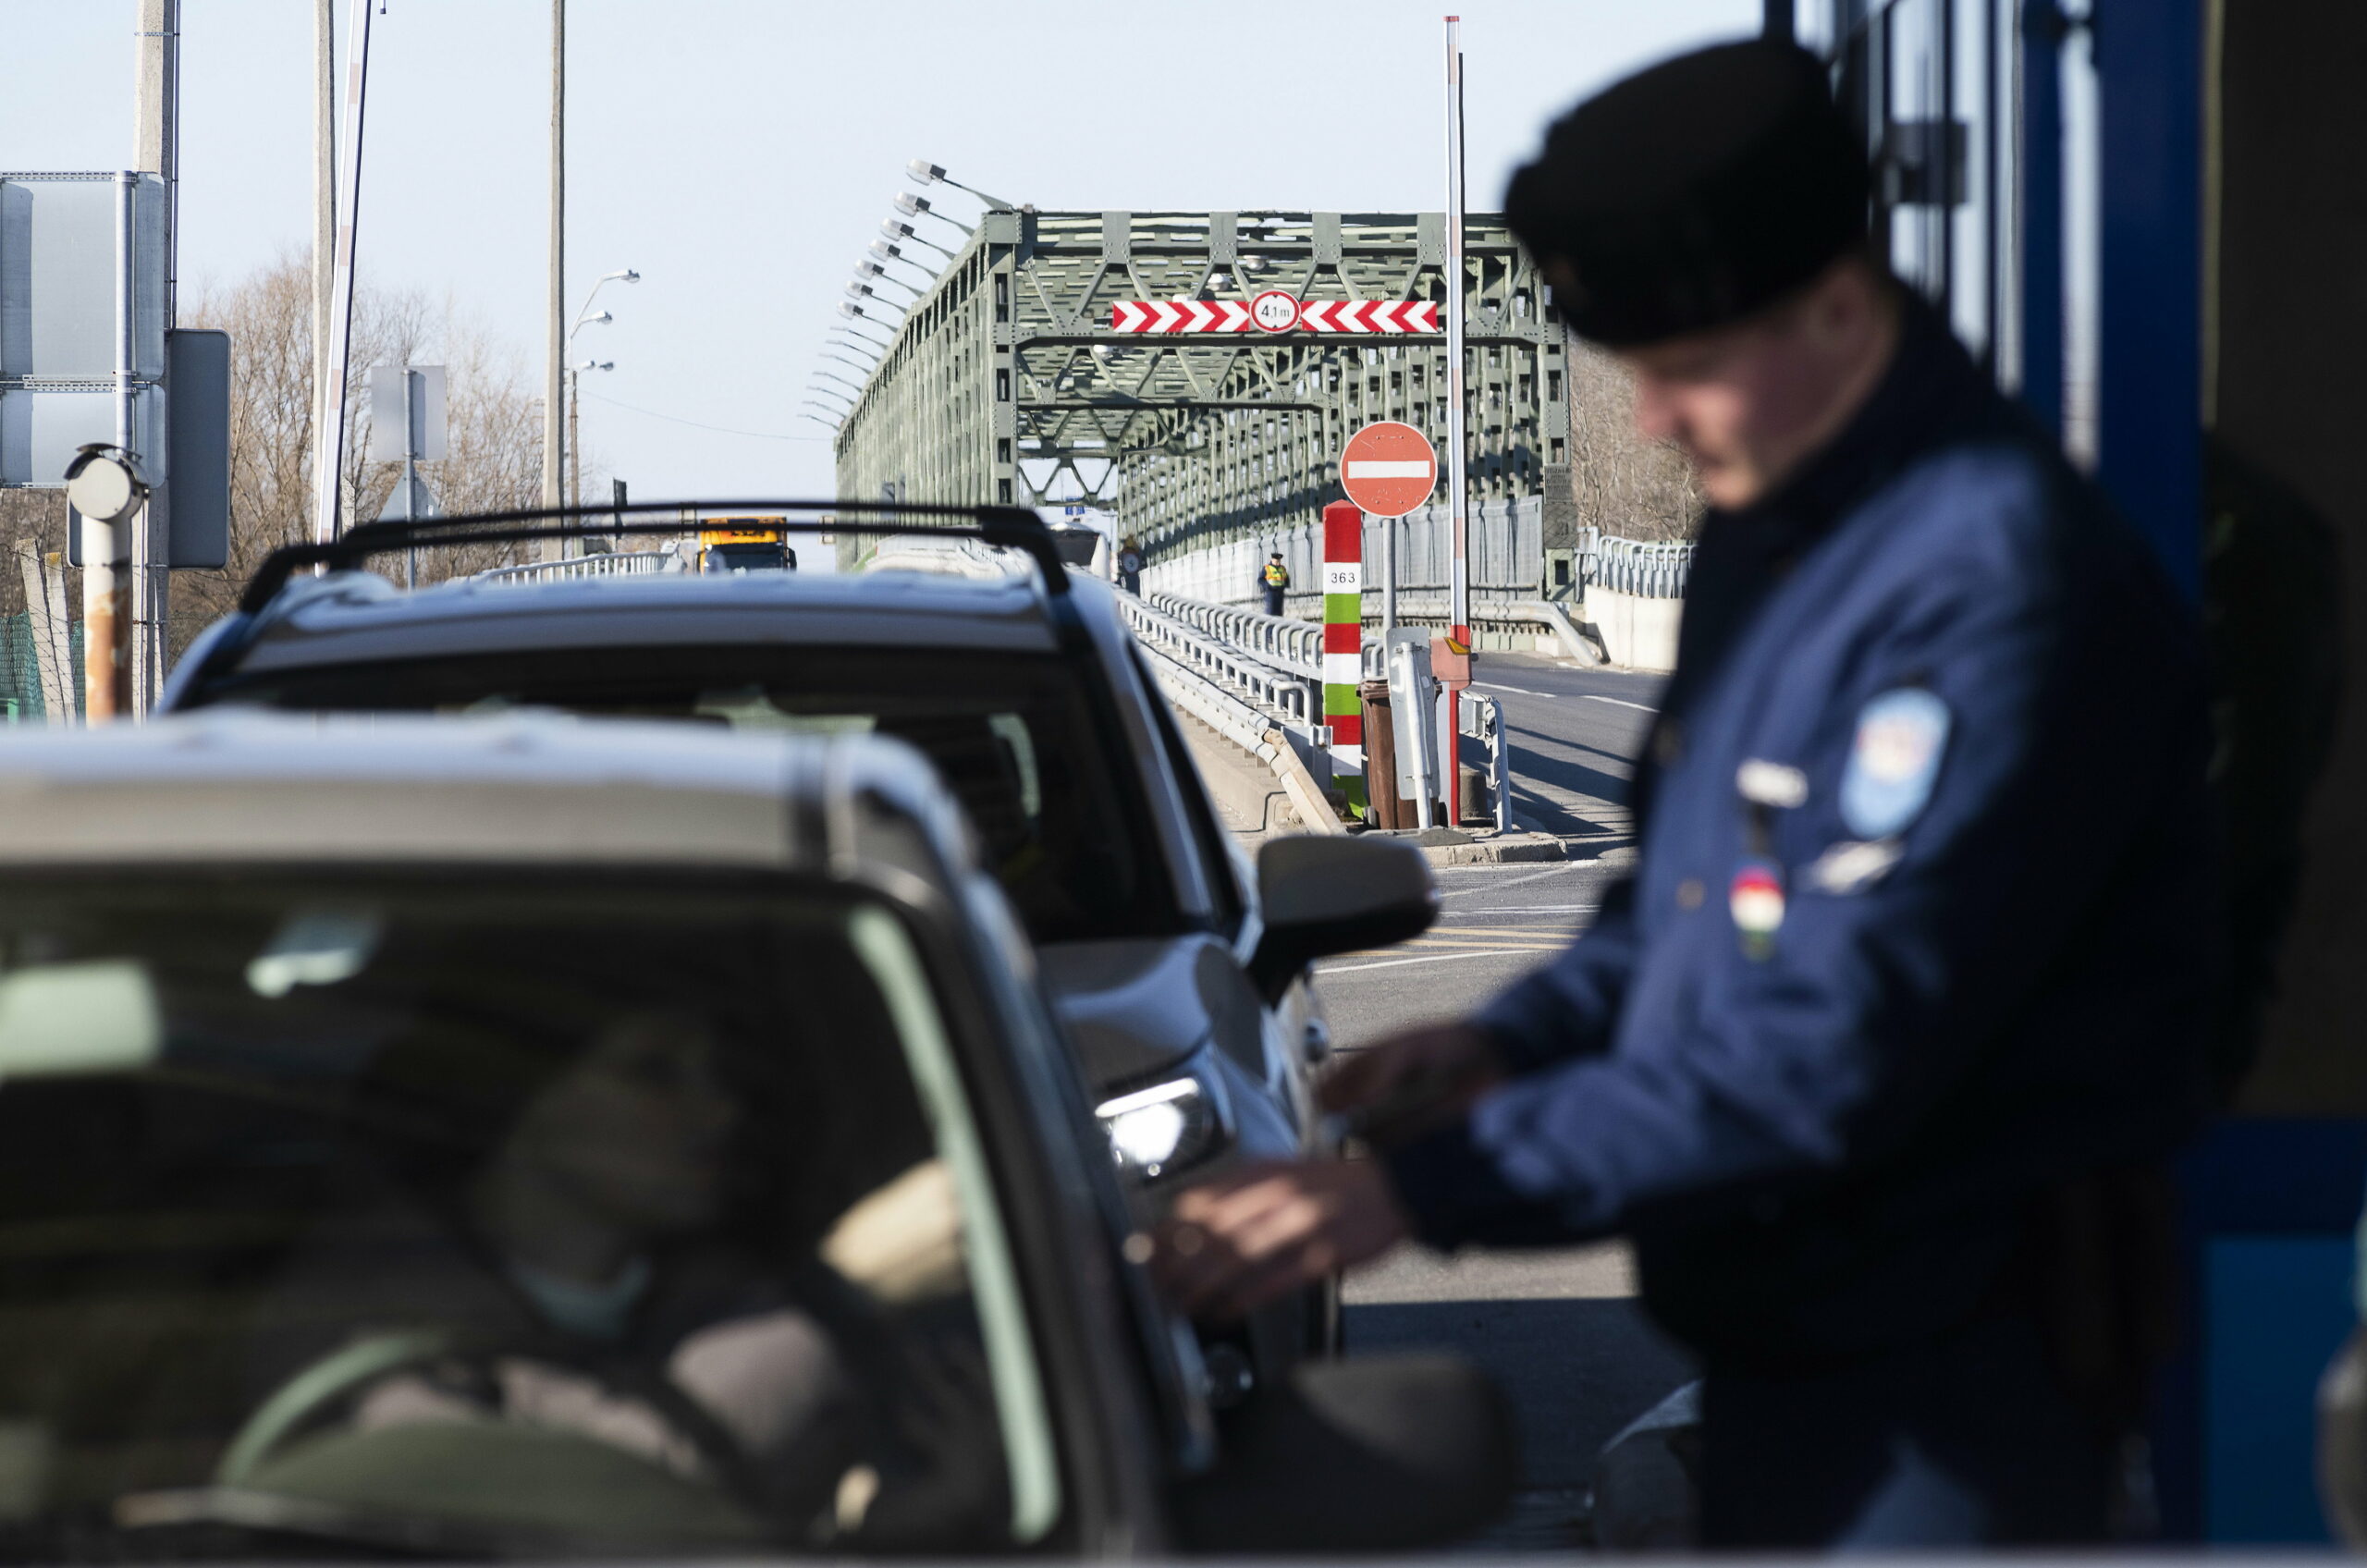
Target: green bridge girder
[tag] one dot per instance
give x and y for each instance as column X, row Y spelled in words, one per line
column 1006, row 374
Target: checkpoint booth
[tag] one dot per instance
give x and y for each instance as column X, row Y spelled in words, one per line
column 2121, row 207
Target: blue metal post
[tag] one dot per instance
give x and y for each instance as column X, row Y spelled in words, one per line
column 2149, row 69
column 2041, row 202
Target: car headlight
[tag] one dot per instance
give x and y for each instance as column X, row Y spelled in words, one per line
column 1169, row 1126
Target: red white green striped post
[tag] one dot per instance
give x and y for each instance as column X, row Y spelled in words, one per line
column 1344, row 645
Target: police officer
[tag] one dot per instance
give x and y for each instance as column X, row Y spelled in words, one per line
column 1871, row 1053
column 1274, row 579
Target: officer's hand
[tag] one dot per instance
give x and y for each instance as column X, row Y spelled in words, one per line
column 1411, row 1083
column 1262, row 1232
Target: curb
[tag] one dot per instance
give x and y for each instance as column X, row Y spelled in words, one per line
column 1509, row 849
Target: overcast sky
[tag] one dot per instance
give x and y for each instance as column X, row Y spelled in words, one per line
column 741, row 153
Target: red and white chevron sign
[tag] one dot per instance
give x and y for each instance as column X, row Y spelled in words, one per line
column 1370, row 317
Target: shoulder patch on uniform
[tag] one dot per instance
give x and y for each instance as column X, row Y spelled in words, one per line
column 1852, row 865
column 1894, row 761
column 1773, row 784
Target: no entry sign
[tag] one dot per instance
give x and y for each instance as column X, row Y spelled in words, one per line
column 1388, row 468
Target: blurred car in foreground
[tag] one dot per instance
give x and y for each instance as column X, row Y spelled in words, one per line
column 533, row 1138
column 1020, row 682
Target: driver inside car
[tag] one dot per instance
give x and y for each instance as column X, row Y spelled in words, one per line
column 556, row 1252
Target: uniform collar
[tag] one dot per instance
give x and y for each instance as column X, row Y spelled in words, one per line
column 1926, row 385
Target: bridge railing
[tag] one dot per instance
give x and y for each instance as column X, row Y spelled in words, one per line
column 634, row 563
column 1296, row 645
column 1506, row 560
column 1288, row 696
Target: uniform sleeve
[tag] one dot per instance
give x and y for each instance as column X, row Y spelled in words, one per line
column 1871, row 1003
column 1567, row 1008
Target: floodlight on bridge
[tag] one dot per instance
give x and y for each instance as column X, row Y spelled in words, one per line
column 864, row 292
column 927, row 173
column 841, row 337
column 868, row 269
column 895, row 230
column 914, row 206
column 850, row 364
column 853, row 311
column 595, row 364
column 817, row 419
column 855, row 387
column 886, row 253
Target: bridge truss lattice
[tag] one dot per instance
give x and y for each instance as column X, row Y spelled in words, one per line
column 1007, row 382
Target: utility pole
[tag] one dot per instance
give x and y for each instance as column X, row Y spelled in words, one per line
column 156, row 148
column 324, row 209
column 328, row 446
column 555, row 548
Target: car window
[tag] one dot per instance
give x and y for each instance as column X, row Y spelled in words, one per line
column 1208, row 834
column 548, row 1220
column 1058, row 810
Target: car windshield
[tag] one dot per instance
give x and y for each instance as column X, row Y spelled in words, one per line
column 539, row 1220
column 1056, row 810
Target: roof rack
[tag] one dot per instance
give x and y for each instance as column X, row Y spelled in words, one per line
column 1016, row 528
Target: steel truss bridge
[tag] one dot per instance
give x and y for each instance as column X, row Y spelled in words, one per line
column 1007, row 380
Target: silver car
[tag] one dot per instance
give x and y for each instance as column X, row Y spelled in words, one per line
column 540, row 1139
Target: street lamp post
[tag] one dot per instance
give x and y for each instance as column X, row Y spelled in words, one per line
column 575, row 407
column 896, row 231
column 927, row 173
column 583, row 318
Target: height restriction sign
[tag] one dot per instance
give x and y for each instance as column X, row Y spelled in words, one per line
column 1388, row 468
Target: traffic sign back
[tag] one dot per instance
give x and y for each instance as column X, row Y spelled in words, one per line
column 1388, row 468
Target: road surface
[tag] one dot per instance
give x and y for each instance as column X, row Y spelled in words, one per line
column 1560, row 1330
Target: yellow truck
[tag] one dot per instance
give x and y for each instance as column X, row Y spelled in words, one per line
column 745, row 543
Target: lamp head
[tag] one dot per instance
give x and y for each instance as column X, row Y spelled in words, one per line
column 104, row 482
column 924, row 172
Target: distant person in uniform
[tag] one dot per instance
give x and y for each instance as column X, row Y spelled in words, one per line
column 1275, row 578
column 1130, row 567
column 1877, row 1052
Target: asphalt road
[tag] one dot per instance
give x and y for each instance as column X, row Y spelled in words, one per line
column 1574, row 733
column 1560, row 1330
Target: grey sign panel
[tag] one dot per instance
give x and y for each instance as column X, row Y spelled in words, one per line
column 41, row 426
column 421, row 440
column 61, row 270
column 198, row 497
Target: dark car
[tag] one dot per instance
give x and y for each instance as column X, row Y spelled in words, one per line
column 1020, row 682
column 532, row 1138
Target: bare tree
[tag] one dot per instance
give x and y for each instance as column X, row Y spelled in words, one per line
column 494, row 445
column 1623, row 483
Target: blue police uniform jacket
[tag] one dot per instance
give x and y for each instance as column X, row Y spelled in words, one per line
column 1922, row 921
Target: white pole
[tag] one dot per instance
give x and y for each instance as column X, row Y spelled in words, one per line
column 158, row 150
column 553, row 389
column 328, row 447
column 1458, row 503
column 324, row 210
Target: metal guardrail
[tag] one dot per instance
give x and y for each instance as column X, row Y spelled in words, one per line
column 637, row 563
column 1482, row 719
column 1291, row 698
column 1291, row 645
column 1648, row 568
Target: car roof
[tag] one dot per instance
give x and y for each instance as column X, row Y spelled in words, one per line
column 523, row 788
column 359, row 618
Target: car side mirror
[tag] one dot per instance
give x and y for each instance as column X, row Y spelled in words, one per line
column 1324, row 894
column 1379, row 1453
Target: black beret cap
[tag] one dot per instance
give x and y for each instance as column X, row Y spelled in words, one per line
column 1692, row 194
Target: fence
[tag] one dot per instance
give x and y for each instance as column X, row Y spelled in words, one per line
column 1506, row 558
column 20, row 698
column 599, row 564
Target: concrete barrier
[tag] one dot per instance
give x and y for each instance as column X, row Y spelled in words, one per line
column 1636, row 632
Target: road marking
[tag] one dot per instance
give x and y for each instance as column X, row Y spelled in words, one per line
column 1619, row 702
column 1516, row 691
column 1434, row 958
column 1512, row 931
column 1517, row 881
